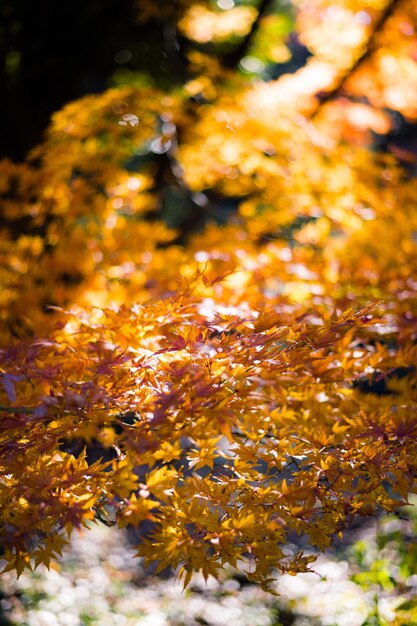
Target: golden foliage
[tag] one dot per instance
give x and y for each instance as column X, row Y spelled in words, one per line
column 255, row 381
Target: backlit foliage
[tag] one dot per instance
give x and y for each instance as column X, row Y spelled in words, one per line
column 208, row 302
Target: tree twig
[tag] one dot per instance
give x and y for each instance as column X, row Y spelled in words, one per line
column 365, row 54
column 17, row 409
column 232, row 59
column 174, row 49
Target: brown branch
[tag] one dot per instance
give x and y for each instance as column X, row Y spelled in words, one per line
column 368, row 49
column 17, row 409
column 232, row 59
column 174, row 47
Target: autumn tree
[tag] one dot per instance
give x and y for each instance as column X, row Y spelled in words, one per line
column 208, row 305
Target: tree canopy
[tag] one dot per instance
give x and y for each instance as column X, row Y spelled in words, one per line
column 208, row 302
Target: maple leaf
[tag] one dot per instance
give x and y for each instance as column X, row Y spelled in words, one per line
column 234, row 327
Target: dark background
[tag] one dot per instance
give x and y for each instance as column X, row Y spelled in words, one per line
column 54, row 51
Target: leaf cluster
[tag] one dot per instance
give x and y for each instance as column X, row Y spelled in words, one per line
column 201, row 302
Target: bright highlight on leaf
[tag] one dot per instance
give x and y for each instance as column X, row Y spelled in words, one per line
column 129, row 120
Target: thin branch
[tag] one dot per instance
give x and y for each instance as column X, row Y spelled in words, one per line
column 368, row 49
column 17, row 409
column 232, row 59
column 174, row 49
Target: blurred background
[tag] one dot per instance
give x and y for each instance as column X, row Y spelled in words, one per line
column 54, row 52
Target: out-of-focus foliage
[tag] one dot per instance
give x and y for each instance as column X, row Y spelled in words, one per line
column 388, row 75
column 203, row 25
column 236, row 362
column 383, row 563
